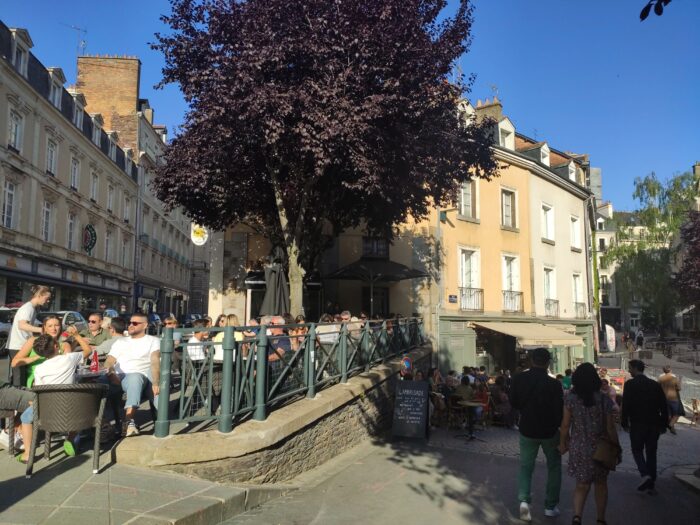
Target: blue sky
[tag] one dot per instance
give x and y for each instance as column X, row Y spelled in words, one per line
column 584, row 75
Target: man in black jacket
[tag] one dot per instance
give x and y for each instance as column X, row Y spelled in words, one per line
column 540, row 400
column 645, row 416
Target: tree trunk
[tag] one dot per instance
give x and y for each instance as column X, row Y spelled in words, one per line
column 296, row 280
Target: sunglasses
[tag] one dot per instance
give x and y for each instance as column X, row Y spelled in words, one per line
column 135, row 323
column 170, row 323
column 93, row 322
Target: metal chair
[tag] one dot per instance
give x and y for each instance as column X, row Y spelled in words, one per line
column 64, row 409
column 9, row 417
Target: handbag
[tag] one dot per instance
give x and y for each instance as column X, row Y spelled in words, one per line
column 608, row 453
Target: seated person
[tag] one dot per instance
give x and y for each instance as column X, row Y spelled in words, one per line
column 57, row 369
column 452, row 381
column 482, row 396
column 501, row 402
column 134, row 363
column 19, row 401
column 95, row 333
column 464, row 392
column 116, row 331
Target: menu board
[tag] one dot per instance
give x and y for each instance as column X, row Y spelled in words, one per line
column 411, row 410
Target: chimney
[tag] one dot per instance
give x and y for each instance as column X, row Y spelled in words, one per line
column 491, row 109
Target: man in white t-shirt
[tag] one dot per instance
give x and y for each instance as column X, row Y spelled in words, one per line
column 135, row 360
column 23, row 328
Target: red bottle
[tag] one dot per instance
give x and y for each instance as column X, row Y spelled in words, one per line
column 94, row 362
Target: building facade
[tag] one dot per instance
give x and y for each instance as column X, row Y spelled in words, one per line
column 163, row 249
column 68, row 191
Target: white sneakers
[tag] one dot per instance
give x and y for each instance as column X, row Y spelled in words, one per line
column 552, row 513
column 5, row 440
column 525, row 512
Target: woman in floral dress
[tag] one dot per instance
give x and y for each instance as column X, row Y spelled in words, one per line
column 586, row 411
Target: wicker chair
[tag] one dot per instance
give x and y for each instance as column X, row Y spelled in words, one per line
column 9, row 417
column 67, row 408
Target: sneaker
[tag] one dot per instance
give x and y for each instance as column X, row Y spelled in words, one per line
column 19, row 442
column 672, row 430
column 553, row 512
column 131, row 429
column 646, row 484
column 68, row 448
column 5, row 440
column 525, row 512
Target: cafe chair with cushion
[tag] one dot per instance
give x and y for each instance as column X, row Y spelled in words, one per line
column 67, row 408
column 9, row 417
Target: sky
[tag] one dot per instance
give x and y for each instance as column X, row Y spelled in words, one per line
column 584, row 75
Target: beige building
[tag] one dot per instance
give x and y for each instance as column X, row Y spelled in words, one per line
column 68, row 191
column 164, row 250
column 508, row 262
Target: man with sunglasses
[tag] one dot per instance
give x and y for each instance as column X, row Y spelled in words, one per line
column 95, row 334
column 135, row 361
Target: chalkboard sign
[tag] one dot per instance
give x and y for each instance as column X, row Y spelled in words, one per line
column 411, row 410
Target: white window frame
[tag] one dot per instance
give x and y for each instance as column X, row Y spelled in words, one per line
column 510, row 272
column 96, row 133
column 112, row 149
column 108, row 245
column 513, row 195
column 110, row 198
column 24, row 58
column 9, row 196
column 51, row 156
column 55, row 94
column 471, row 210
column 127, row 209
column 125, row 252
column 575, row 227
column 78, row 115
column 544, row 155
column 46, row 221
column 15, row 129
column 572, row 172
column 127, row 165
column 473, row 278
column 547, row 218
column 577, row 287
column 549, row 282
column 74, row 173
column 94, row 185
column 72, row 226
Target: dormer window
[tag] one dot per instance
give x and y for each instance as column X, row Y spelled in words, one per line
column 572, row 172
column 21, row 43
column 127, row 162
column 20, row 61
column 506, row 134
column 96, row 133
column 544, row 155
column 112, row 150
column 55, row 92
column 78, row 114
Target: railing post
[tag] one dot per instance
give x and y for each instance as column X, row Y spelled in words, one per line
column 343, row 348
column 365, row 344
column 162, row 425
column 226, row 417
column 310, row 360
column 260, row 374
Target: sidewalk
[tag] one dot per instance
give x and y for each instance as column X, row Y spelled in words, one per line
column 65, row 491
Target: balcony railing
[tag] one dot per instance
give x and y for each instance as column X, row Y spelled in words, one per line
column 471, row 299
column 580, row 310
column 512, row 301
column 551, row 308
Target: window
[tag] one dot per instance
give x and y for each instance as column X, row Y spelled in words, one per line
column 508, row 208
column 46, row 212
column 467, row 201
column 127, row 166
column 544, row 155
column 127, row 209
column 112, row 150
column 20, row 60
column 469, row 268
column 55, row 92
column 125, row 252
column 511, row 273
column 600, row 225
column 78, row 115
column 505, row 138
column 8, row 204
column 110, row 198
column 51, row 157
column 601, row 244
column 575, row 233
column 94, row 186
column 549, row 284
column 153, row 262
column 108, row 245
column 572, row 172
column 74, row 173
column 373, row 247
column 96, row 133
column 14, row 137
column 577, row 288
column 71, row 231
column 142, row 264
column 547, row 222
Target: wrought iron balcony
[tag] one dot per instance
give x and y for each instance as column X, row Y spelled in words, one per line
column 580, row 310
column 512, row 301
column 551, row 308
column 471, row 299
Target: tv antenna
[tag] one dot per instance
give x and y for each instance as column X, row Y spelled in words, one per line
column 81, row 34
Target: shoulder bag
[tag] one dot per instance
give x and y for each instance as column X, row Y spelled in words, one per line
column 608, row 453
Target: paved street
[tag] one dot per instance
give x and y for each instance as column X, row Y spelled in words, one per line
column 449, row 481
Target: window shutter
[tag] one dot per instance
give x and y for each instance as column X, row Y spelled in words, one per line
column 516, row 274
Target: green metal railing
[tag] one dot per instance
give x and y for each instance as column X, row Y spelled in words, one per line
column 249, row 376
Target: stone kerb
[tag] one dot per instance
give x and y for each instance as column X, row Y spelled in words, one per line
column 291, row 440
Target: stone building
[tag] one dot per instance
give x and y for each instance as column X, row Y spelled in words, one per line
column 68, row 190
column 111, row 85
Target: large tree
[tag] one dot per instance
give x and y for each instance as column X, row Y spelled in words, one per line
column 308, row 117
column 687, row 279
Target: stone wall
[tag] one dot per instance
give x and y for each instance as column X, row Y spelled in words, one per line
column 367, row 415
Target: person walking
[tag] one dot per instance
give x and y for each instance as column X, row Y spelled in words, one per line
column 588, row 414
column 23, row 328
column 671, row 386
column 540, row 401
column 645, row 416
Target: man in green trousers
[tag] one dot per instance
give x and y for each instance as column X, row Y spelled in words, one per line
column 540, row 400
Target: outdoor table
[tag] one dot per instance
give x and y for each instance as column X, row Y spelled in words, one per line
column 87, row 376
column 470, row 405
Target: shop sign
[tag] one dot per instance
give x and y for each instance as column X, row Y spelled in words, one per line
column 452, row 298
column 94, row 280
column 112, row 283
column 198, row 234
column 49, row 270
column 89, row 237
